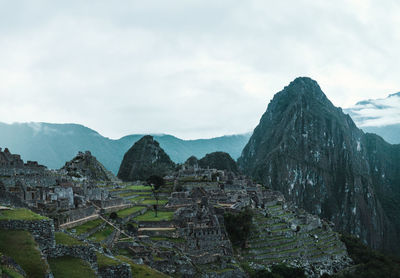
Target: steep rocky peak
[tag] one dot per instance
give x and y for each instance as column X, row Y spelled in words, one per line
column 304, row 91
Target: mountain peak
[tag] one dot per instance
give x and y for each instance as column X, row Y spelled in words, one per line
column 305, row 86
column 143, row 159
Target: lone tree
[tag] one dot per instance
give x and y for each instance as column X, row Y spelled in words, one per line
column 155, row 182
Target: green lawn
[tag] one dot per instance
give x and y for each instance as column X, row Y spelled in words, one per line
column 141, row 271
column 153, row 202
column 21, row 246
column 127, row 194
column 136, row 199
column 125, row 212
column 139, row 187
column 104, row 261
column 65, row 239
column 102, row 234
column 86, row 227
column 69, row 267
column 161, row 215
column 20, row 214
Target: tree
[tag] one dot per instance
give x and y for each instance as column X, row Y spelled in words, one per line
column 155, row 182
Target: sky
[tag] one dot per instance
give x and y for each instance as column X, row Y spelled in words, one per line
column 194, row 69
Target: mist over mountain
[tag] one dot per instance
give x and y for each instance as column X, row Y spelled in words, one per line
column 54, row 144
column 380, row 116
column 316, row 156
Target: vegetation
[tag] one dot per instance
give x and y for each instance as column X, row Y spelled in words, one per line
column 21, row 246
column 104, row 261
column 141, row 271
column 137, row 187
column 126, row 212
column 69, row 267
column 154, row 202
column 162, row 215
column 84, row 228
column 369, row 263
column 277, row 271
column 65, row 239
column 102, row 234
column 155, row 182
column 20, row 214
column 238, row 226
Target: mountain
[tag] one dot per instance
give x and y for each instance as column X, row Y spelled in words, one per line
column 316, row 156
column 144, row 159
column 380, row 116
column 85, row 165
column 54, row 144
column 220, row 161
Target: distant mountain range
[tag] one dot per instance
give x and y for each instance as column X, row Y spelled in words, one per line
column 54, row 144
column 380, row 116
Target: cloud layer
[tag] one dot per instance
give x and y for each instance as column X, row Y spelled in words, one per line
column 189, row 68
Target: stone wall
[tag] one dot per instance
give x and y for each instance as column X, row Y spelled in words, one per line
column 41, row 230
column 86, row 253
column 9, row 199
column 120, row 271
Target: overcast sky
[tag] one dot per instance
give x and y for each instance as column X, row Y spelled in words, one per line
column 194, row 69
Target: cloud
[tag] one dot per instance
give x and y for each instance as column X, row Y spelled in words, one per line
column 378, row 112
column 189, row 68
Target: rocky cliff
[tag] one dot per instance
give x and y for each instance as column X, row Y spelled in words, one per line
column 143, row 159
column 311, row 151
column 86, row 166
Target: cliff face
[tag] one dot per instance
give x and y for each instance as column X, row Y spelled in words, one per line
column 315, row 155
column 143, row 159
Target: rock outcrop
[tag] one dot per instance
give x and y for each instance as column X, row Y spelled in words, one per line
column 143, row 159
column 315, row 155
column 86, row 166
column 219, row 161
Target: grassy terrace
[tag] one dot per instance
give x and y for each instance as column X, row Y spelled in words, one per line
column 63, row 238
column 161, row 215
column 69, row 267
column 84, row 228
column 141, row 271
column 104, row 261
column 138, row 187
column 102, row 234
column 20, row 214
column 126, row 212
column 170, row 239
column 21, row 246
column 153, row 202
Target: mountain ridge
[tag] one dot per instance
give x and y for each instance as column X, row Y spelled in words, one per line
column 316, row 156
column 54, row 144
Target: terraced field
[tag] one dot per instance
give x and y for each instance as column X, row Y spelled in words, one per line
column 276, row 240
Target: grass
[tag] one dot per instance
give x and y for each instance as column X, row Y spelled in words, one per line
column 139, row 187
column 20, row 214
column 161, row 215
column 65, row 239
column 153, row 202
column 104, row 261
column 21, row 246
column 9, row 272
column 170, row 239
column 126, row 212
column 102, row 234
column 69, row 267
column 127, row 194
column 84, row 228
column 141, row 271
